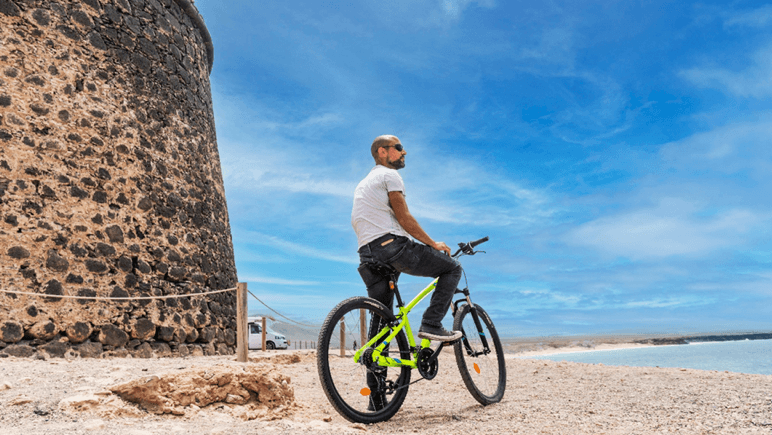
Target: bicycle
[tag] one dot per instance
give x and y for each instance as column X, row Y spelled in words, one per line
column 367, row 385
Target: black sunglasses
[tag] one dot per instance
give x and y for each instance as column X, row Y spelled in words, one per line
column 397, row 147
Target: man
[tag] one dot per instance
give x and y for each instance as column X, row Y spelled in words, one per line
column 383, row 224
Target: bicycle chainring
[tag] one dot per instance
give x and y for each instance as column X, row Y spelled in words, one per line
column 427, row 367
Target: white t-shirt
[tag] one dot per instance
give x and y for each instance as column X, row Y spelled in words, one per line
column 372, row 216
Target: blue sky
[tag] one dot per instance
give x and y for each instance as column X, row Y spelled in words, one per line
column 617, row 153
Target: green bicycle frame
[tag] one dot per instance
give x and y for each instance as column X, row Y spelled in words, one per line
column 392, row 332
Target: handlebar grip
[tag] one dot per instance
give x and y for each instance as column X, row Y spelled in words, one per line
column 477, row 242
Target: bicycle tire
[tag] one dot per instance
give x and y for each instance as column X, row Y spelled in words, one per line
column 343, row 380
column 485, row 375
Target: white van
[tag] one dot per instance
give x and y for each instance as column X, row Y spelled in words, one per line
column 273, row 340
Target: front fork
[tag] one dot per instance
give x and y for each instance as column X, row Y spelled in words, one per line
column 476, row 318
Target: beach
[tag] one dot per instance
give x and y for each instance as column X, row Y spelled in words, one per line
column 93, row 396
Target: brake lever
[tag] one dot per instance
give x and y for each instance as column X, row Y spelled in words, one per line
column 466, row 249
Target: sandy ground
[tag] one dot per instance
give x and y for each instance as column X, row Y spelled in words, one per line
column 60, row 396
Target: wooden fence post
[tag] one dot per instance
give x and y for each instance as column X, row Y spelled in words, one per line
column 342, row 338
column 362, row 327
column 242, row 338
column 264, row 324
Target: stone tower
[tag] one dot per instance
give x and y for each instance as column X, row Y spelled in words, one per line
column 110, row 180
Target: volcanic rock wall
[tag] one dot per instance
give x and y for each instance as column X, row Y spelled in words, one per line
column 110, row 180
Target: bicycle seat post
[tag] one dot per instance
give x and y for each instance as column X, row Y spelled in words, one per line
column 393, row 287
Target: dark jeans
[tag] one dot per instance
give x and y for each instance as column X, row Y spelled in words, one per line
column 407, row 256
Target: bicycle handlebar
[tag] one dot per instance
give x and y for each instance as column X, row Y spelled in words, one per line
column 477, row 242
column 468, row 248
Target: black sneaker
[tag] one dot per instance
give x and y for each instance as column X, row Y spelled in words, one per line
column 438, row 333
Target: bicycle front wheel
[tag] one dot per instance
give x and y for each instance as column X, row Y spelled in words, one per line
column 479, row 355
column 361, row 392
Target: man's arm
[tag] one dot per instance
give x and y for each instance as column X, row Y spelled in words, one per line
column 408, row 222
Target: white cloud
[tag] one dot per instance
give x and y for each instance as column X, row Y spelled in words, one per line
column 667, row 302
column 756, row 18
column 674, row 227
column 453, row 8
column 259, row 176
column 726, row 149
column 469, row 193
column 755, row 81
column 256, row 238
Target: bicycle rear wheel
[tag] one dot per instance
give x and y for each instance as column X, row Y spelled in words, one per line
column 361, row 393
column 479, row 355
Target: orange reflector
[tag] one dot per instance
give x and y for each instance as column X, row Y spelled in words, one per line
column 364, row 391
column 477, row 368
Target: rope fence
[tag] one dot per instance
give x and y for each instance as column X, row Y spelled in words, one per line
column 297, row 344
column 118, row 298
column 241, row 313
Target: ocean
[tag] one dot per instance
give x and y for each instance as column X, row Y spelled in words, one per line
column 747, row 356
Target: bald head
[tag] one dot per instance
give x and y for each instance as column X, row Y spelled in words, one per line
column 382, row 141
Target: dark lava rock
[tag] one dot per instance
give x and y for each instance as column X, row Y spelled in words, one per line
column 18, row 253
column 143, row 329
column 223, row 349
column 161, row 349
column 165, row 333
column 79, row 332
column 100, row 197
column 90, row 349
column 20, row 350
column 56, row 262
column 56, row 348
column 74, row 279
column 144, row 351
column 85, row 292
column 44, row 330
column 105, row 250
column 95, row 266
column 183, row 350
column 77, row 192
column 115, row 234
column 192, row 335
column 111, row 335
column 7, row 7
column 207, row 334
column 131, row 280
column 53, row 287
column 119, row 293
column 125, row 264
column 209, row 349
column 143, row 267
column 11, row 332
column 230, row 337
column 177, row 274
column 42, row 17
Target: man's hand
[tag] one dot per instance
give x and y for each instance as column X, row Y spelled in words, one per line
column 441, row 246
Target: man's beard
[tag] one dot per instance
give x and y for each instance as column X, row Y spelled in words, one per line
column 398, row 164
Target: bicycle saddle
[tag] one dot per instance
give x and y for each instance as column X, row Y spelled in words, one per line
column 381, row 268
